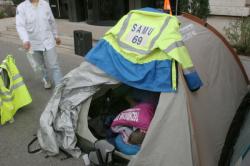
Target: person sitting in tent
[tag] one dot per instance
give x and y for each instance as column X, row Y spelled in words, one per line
column 131, row 126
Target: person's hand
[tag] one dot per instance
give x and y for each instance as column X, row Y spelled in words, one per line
column 58, row 40
column 26, row 45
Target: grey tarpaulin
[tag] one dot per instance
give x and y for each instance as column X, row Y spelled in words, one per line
column 58, row 122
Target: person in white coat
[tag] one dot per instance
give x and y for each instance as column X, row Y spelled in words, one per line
column 37, row 29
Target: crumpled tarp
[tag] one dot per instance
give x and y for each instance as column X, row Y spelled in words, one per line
column 58, row 122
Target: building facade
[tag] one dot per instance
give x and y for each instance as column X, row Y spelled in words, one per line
column 230, row 7
column 107, row 12
column 98, row 12
column 223, row 12
column 6, row 2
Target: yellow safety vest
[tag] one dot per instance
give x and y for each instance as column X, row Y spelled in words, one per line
column 13, row 94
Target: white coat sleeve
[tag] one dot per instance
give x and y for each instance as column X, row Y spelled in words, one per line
column 52, row 23
column 20, row 25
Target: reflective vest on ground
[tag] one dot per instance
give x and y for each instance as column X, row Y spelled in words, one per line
column 13, row 92
column 142, row 49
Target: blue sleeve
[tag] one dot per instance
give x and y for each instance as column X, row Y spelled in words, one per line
column 193, row 81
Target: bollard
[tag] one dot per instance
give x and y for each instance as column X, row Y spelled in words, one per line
column 82, row 42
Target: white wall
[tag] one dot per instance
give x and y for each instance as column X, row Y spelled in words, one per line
column 230, row 7
column 219, row 22
column 227, row 3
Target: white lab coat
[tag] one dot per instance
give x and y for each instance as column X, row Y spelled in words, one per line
column 36, row 25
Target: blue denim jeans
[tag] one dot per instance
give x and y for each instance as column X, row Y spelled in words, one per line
column 48, row 61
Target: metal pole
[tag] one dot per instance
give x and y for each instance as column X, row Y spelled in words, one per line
column 176, row 7
column 58, row 7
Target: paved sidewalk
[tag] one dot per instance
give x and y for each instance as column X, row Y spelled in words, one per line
column 65, row 27
column 5, row 22
column 65, row 30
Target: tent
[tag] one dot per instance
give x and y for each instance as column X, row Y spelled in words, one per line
column 189, row 128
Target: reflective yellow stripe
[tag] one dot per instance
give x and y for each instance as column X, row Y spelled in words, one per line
column 10, row 91
column 174, row 45
column 189, row 70
column 10, row 99
column 174, row 79
column 16, row 77
column 124, row 26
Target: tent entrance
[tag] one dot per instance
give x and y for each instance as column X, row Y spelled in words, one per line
column 105, row 105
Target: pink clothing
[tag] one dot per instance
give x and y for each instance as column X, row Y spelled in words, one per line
column 139, row 116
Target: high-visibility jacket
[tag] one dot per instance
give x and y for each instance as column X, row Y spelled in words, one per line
column 142, row 49
column 13, row 92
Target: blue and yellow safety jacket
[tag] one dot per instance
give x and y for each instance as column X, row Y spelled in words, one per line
column 142, row 49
